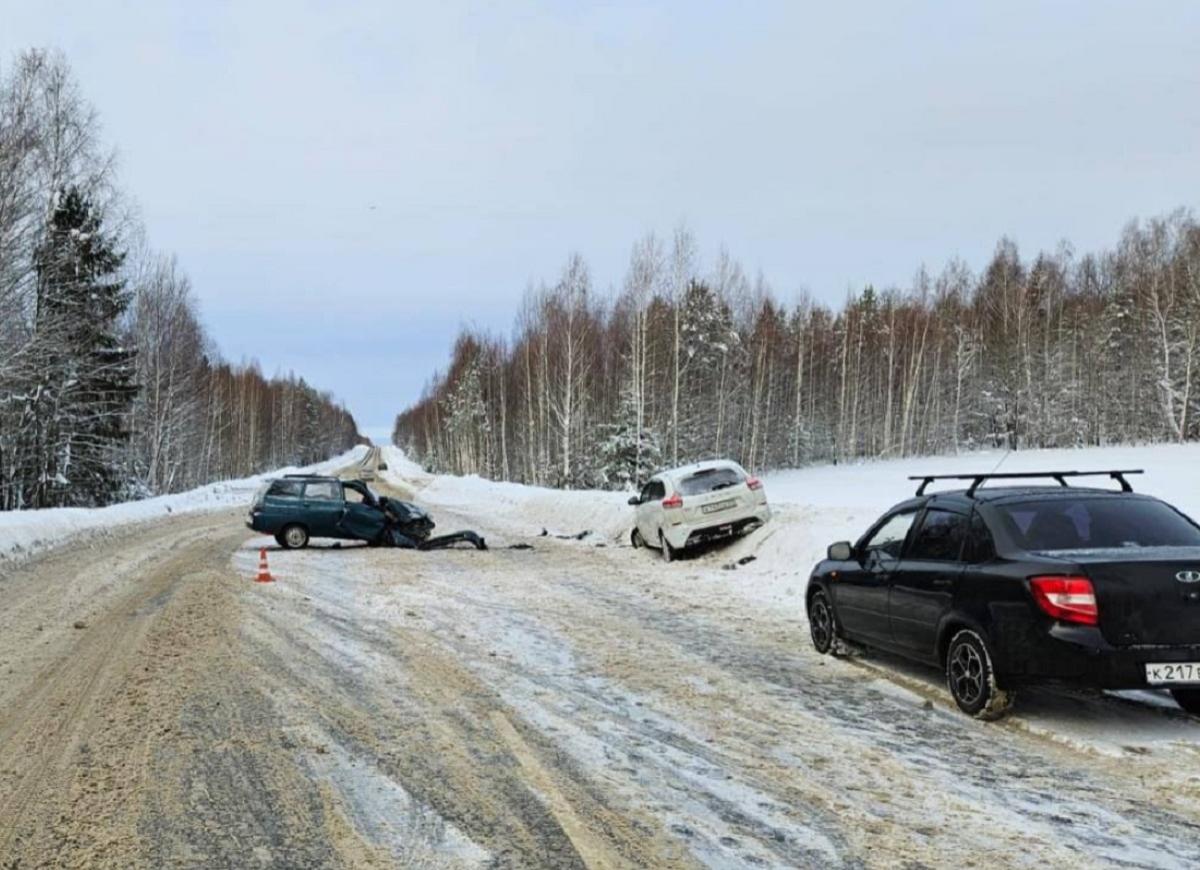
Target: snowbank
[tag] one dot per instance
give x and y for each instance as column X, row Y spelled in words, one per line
column 1172, row 473
column 514, row 508
column 23, row 533
column 813, row 506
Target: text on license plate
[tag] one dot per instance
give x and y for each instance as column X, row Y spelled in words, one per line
column 718, row 506
column 1172, row 672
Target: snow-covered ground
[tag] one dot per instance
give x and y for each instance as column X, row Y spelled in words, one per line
column 819, row 505
column 463, row 708
column 688, row 697
column 813, row 506
column 512, row 507
column 23, row 533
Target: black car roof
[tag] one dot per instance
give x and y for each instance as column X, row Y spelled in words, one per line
column 309, row 477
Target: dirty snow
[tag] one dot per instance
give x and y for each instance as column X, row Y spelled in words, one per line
column 816, row 506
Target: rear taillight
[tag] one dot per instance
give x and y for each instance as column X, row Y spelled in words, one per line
column 1070, row 599
column 754, row 483
column 675, row 501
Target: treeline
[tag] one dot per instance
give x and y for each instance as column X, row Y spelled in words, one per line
column 685, row 363
column 109, row 386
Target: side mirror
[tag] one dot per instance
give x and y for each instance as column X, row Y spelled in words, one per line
column 635, row 500
column 840, row 552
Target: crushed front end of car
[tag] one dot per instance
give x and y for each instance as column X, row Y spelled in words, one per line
column 411, row 527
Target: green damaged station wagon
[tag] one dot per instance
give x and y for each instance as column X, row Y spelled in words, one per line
column 299, row 507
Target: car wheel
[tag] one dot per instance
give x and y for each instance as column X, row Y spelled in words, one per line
column 821, row 623
column 668, row 553
column 294, row 537
column 1188, row 699
column 971, row 679
column 279, row 540
column 635, row 538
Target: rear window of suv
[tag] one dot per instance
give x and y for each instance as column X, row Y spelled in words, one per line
column 1097, row 524
column 708, row 480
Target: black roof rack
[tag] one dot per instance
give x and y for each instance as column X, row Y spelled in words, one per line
column 312, row 476
column 1061, row 476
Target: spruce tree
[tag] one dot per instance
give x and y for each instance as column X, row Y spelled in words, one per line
column 627, row 456
column 85, row 388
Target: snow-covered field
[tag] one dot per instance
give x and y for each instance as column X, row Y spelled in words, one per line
column 813, row 506
column 23, row 533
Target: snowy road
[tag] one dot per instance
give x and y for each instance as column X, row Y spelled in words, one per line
column 569, row 705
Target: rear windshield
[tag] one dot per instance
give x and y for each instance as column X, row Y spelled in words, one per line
column 260, row 492
column 708, row 480
column 1097, row 524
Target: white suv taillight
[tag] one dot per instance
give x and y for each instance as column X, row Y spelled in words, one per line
column 1066, row 598
column 675, row 501
column 754, row 483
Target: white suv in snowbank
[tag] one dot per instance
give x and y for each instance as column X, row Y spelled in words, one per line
column 702, row 502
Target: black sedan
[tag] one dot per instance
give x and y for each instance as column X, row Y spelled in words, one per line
column 1008, row 586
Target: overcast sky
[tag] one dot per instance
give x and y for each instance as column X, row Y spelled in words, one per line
column 347, row 183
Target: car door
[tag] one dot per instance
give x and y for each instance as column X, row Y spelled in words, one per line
column 649, row 511
column 861, row 592
column 923, row 584
column 362, row 519
column 322, row 506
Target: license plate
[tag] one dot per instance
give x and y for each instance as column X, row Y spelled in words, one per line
column 1172, row 672
column 718, row 506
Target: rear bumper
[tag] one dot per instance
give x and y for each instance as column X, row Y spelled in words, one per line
column 1080, row 656
column 742, row 523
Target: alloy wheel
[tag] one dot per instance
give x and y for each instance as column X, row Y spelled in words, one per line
column 966, row 673
column 821, row 623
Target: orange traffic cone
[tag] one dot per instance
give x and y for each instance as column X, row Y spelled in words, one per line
column 264, row 573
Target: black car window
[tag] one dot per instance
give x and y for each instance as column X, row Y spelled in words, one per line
column 1097, row 523
column 323, row 489
column 980, row 548
column 286, row 487
column 709, row 480
column 655, row 489
column 889, row 537
column 940, row 537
